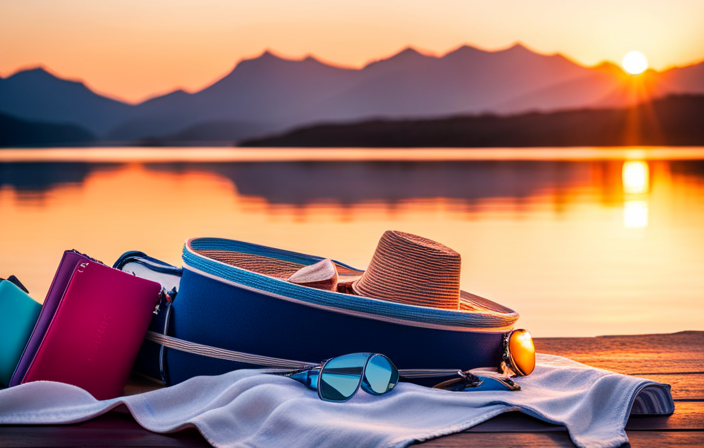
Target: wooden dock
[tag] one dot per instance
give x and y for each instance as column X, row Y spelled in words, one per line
column 676, row 359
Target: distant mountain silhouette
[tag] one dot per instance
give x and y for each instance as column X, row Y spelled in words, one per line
column 673, row 120
column 466, row 80
column 603, row 86
column 267, row 90
column 38, row 95
column 210, row 133
column 17, row 133
column 684, row 79
column 272, row 94
column 283, row 93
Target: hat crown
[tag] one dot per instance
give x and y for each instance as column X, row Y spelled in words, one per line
column 410, row 269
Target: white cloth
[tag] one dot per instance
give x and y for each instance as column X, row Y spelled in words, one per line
column 248, row 408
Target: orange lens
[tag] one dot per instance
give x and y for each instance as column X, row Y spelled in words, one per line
column 522, row 351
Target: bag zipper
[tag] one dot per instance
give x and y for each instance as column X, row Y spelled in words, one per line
column 74, row 251
column 164, row 295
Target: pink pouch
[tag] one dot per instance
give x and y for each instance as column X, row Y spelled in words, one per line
column 98, row 317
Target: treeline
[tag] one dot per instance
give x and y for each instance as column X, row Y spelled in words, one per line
column 676, row 120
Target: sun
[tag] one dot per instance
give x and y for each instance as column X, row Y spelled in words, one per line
column 634, row 62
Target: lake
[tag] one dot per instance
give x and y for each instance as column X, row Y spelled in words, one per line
column 579, row 241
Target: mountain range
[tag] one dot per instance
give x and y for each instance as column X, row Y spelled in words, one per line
column 269, row 94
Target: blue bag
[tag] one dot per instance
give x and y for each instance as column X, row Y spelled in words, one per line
column 228, row 314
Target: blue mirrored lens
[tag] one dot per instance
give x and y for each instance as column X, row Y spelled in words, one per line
column 381, row 375
column 341, row 376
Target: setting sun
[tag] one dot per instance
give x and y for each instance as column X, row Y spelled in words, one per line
column 634, row 62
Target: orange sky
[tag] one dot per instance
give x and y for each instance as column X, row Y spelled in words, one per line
column 133, row 49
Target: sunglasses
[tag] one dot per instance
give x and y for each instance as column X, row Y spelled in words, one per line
column 338, row 379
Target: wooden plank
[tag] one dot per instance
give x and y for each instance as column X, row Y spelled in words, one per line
column 110, row 430
column 561, row 439
column 666, row 439
column 633, row 355
column 117, row 429
column 684, row 386
column 489, row 440
column 687, row 416
column 674, row 359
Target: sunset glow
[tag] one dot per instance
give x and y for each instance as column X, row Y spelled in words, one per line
column 634, row 62
column 134, row 50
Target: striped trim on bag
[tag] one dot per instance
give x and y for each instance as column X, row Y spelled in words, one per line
column 475, row 313
column 267, row 361
column 651, row 399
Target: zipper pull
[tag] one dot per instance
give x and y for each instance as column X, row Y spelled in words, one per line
column 164, row 296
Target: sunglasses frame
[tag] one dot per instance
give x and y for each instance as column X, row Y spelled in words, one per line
column 477, row 379
column 509, row 366
column 470, row 379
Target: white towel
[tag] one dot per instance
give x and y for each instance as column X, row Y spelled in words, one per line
column 248, row 408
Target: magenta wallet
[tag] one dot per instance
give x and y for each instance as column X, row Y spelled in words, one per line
column 90, row 328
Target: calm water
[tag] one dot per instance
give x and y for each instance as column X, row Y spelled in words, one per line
column 580, row 242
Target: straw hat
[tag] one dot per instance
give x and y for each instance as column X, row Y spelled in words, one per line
column 413, row 270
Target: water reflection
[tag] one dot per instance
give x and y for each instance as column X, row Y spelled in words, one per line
column 636, row 184
column 635, row 214
column 636, row 177
column 39, row 177
column 555, row 240
column 391, row 182
column 357, row 182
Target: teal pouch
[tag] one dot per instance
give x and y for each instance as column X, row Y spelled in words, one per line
column 18, row 314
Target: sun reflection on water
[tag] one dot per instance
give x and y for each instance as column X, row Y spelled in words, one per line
column 636, row 177
column 635, row 214
column 636, row 184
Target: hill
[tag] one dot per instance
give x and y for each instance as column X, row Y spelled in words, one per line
column 38, row 95
column 17, row 133
column 674, row 120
